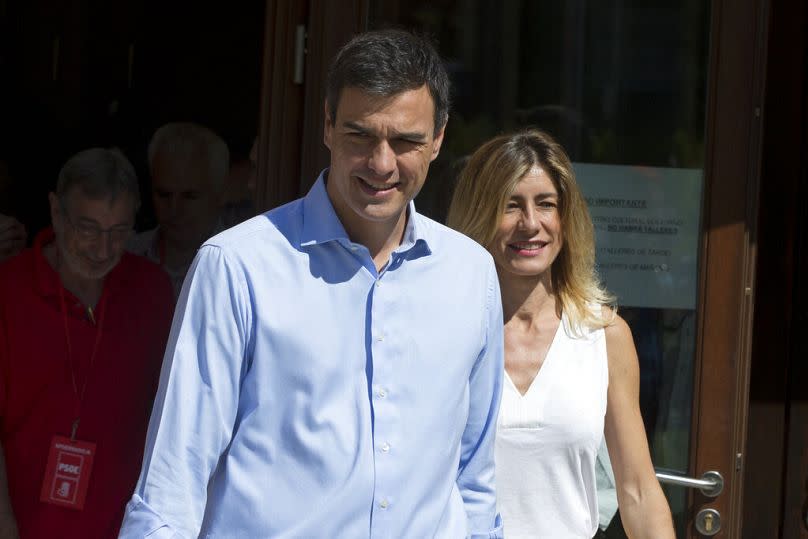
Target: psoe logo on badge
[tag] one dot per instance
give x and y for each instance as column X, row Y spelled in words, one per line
column 66, row 478
column 69, row 463
column 64, row 490
column 73, row 469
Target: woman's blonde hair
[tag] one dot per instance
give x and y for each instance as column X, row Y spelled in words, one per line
column 483, row 188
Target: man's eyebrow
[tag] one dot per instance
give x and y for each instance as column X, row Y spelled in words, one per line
column 415, row 136
column 355, row 127
column 88, row 221
column 93, row 222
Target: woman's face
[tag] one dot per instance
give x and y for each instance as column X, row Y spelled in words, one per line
column 529, row 237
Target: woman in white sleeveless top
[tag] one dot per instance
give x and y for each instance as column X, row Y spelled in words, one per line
column 571, row 367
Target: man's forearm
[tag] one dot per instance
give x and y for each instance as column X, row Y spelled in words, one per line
column 8, row 524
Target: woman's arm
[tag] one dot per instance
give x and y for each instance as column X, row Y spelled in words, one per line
column 643, row 508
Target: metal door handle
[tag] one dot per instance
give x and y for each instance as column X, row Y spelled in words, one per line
column 711, row 483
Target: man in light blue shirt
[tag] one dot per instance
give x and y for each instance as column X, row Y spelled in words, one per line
column 335, row 365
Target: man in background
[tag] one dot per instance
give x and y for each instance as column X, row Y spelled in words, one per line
column 189, row 165
column 83, row 327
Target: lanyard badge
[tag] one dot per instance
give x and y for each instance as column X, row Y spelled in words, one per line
column 67, row 474
column 70, row 461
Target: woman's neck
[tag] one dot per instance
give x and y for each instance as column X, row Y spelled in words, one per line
column 525, row 300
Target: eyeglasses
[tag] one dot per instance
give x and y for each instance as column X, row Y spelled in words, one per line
column 93, row 233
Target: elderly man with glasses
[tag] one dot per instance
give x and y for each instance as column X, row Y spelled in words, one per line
column 83, row 326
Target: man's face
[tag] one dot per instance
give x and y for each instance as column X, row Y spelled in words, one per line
column 381, row 149
column 185, row 198
column 91, row 233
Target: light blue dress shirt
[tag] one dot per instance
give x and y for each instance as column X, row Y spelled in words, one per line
column 305, row 394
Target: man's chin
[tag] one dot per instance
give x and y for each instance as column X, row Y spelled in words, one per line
column 95, row 271
column 381, row 213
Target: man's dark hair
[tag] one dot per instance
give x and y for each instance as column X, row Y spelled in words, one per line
column 385, row 63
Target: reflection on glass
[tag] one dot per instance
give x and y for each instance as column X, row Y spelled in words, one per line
column 618, row 82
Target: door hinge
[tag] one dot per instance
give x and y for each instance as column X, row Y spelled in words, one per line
column 738, row 462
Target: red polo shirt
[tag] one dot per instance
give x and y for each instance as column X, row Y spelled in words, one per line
column 37, row 399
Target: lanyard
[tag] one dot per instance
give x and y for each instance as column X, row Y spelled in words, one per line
column 101, row 311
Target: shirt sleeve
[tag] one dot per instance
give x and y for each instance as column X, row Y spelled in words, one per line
column 476, row 474
column 197, row 401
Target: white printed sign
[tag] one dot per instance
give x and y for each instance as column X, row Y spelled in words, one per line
column 646, row 232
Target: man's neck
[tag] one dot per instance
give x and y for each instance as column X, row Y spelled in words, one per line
column 381, row 238
column 88, row 291
column 177, row 256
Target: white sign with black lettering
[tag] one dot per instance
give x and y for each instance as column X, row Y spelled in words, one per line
column 646, row 231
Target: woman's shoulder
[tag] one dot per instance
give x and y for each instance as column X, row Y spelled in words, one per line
column 589, row 321
column 614, row 324
column 619, row 341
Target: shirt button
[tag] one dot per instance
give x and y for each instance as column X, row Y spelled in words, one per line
column 379, row 337
column 378, row 283
column 382, row 393
column 385, row 447
column 383, row 504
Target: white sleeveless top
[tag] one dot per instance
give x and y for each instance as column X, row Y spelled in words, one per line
column 548, row 439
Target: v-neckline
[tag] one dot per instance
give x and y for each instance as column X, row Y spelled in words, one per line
column 543, row 366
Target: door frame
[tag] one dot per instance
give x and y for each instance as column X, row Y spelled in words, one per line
column 776, row 474
column 728, row 253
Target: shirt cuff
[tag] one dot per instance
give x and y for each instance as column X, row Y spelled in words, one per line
column 142, row 521
column 496, row 533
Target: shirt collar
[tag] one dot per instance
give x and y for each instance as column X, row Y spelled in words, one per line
column 321, row 224
column 320, row 221
column 414, row 243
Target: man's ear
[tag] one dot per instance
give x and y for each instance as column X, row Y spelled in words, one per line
column 437, row 141
column 328, row 126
